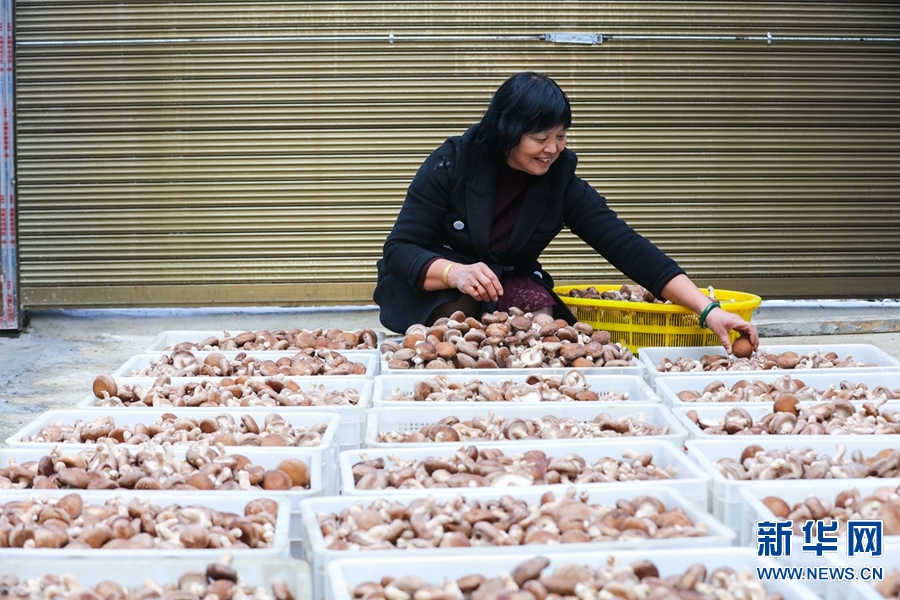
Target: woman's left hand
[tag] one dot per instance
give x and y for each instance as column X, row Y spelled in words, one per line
column 721, row 322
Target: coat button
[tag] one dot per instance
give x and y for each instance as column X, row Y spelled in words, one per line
column 459, row 225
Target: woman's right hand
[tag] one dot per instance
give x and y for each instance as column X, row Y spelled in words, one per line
column 722, row 322
column 476, row 280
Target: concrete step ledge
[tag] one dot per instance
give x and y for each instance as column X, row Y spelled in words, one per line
column 774, row 318
column 781, row 318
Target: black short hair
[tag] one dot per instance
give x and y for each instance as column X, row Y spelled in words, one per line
column 527, row 102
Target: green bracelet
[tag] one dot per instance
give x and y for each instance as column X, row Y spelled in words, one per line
column 702, row 320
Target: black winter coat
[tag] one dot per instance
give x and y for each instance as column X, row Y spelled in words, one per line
column 448, row 212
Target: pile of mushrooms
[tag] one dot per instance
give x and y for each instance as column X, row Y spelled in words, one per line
column 295, row 339
column 761, row 359
column 883, row 504
column 502, row 428
column 572, row 581
column 889, row 587
column 173, row 429
column 627, row 293
column 219, row 579
column 505, row 521
column 791, row 417
column 490, row 467
column 786, row 463
column 534, row 388
column 761, row 391
column 184, row 363
column 152, row 466
column 137, row 524
column 238, row 392
column 505, row 340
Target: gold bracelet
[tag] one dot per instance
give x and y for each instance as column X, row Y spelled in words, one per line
column 447, row 272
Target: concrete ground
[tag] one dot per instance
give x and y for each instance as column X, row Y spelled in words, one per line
column 52, row 363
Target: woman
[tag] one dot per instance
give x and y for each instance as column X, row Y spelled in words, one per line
column 485, row 204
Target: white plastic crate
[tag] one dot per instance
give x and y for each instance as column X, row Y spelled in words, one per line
column 350, row 431
column 413, row 418
column 727, row 502
column 351, row 572
column 690, row 479
column 266, row 457
column 385, row 385
column 797, row 491
column 325, row 453
column 757, row 412
column 319, row 556
column 369, row 358
column 167, row 339
column 225, row 503
column 637, row 370
column 131, row 571
column 863, row 588
column 149, row 416
column 669, row 387
column 651, row 357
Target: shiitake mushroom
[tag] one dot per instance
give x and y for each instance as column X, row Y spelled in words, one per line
column 742, row 347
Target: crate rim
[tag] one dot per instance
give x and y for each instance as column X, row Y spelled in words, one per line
column 748, row 302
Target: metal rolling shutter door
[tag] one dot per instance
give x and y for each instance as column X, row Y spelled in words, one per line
column 197, row 153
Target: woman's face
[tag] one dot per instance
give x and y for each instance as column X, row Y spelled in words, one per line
column 535, row 152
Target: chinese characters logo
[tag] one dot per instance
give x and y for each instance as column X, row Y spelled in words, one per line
column 773, row 538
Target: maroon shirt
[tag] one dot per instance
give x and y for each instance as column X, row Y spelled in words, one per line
column 511, row 186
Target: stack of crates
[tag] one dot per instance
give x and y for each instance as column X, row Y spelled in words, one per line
column 364, row 430
column 339, row 427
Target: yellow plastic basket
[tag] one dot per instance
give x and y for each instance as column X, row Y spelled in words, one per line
column 641, row 324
